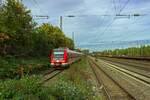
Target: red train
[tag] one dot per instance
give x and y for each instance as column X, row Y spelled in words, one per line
column 63, row 57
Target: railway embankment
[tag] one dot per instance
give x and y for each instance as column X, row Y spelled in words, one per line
column 131, row 76
column 76, row 82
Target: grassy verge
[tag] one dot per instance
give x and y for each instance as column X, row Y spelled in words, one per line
column 27, row 88
column 72, row 84
column 15, row 67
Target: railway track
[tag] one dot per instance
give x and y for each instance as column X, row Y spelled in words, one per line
column 138, row 69
column 110, row 88
column 100, row 82
column 138, row 76
column 137, row 85
column 50, row 75
column 139, row 64
column 127, row 57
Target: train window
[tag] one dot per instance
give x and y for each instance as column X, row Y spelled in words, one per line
column 58, row 55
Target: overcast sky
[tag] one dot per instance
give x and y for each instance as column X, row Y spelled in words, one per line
column 89, row 25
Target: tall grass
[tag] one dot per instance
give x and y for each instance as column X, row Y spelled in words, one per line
column 27, row 88
column 73, row 85
column 14, row 67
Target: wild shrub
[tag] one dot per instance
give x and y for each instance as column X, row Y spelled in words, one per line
column 24, row 89
column 11, row 67
column 67, row 91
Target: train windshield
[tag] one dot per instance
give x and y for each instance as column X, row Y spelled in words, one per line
column 58, row 55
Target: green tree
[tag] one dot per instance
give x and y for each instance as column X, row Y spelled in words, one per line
column 48, row 37
column 20, row 37
column 69, row 43
column 17, row 23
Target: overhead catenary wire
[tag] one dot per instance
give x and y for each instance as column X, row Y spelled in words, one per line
column 38, row 6
column 114, row 18
column 121, row 8
column 135, row 22
column 106, row 27
column 126, row 3
column 114, row 3
column 103, row 19
column 110, row 25
column 133, row 33
column 118, row 7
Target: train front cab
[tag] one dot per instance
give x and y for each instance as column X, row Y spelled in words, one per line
column 59, row 59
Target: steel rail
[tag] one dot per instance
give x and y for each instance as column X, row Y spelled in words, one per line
column 100, row 82
column 137, row 75
column 52, row 75
column 112, row 79
column 133, row 74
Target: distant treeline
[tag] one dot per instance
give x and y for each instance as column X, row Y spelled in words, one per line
column 143, row 51
column 21, row 36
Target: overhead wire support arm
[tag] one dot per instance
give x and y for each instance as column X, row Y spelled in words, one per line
column 116, row 15
column 40, row 17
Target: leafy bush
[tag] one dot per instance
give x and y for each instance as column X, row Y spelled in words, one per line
column 9, row 67
column 72, row 84
column 6, row 69
column 67, row 91
column 24, row 89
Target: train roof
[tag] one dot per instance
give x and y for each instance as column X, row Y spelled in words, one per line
column 68, row 50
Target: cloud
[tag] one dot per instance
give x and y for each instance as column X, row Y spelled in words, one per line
column 89, row 26
column 54, row 8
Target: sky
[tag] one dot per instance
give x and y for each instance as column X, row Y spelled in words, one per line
column 89, row 25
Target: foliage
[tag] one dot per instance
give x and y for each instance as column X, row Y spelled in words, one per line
column 73, row 85
column 24, row 89
column 68, row 87
column 142, row 51
column 10, row 67
column 19, row 35
column 48, row 37
column 21, row 38
column 67, row 91
column 16, row 22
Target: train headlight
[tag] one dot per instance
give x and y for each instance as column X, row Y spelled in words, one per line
column 63, row 61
